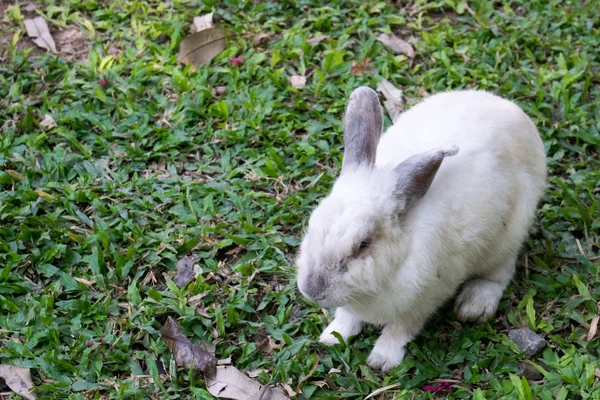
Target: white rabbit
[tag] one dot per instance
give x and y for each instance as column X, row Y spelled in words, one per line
column 391, row 244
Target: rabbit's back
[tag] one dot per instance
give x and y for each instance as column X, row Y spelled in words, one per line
column 482, row 201
column 476, row 121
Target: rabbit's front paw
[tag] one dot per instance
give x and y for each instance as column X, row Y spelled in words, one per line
column 327, row 338
column 386, row 359
column 344, row 323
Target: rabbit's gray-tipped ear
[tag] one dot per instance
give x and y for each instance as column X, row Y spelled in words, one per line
column 415, row 174
column 363, row 123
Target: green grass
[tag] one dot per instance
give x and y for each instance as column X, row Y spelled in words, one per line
column 153, row 167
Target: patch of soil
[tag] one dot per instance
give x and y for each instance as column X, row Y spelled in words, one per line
column 72, row 45
column 7, row 32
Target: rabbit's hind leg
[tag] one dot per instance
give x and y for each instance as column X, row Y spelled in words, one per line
column 478, row 298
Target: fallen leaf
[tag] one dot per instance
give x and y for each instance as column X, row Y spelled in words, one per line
column 48, row 122
column 289, row 390
column 16, row 175
column 30, row 8
column 185, row 270
column 204, row 22
column 258, row 39
column 381, row 390
column 85, row 282
column 597, row 372
column 203, row 46
column 393, row 99
column 358, row 69
column 593, row 328
column 224, row 361
column 185, row 353
column 208, row 347
column 267, row 345
column 256, row 372
column 298, row 81
column 37, row 29
column 229, row 382
column 310, row 374
column 36, row 285
column 316, row 39
column 398, row 45
column 197, row 299
column 219, row 91
column 43, row 194
column 18, row 380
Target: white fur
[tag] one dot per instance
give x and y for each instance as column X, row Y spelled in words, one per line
column 469, row 226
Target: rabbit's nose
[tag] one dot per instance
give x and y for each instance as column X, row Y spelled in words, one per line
column 315, row 288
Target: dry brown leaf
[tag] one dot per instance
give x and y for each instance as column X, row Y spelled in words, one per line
column 18, row 380
column 597, row 372
column 203, row 22
column 256, row 372
column 186, row 353
column 393, row 99
column 31, row 7
column 203, row 46
column 219, row 91
column 289, row 390
column 267, row 345
column 208, row 347
column 381, row 390
column 310, row 374
column 593, row 328
column 85, row 282
column 229, row 382
column 48, row 122
column 224, row 361
column 258, row 39
column 398, row 45
column 185, row 270
column 358, row 69
column 37, row 29
column 316, row 39
column 196, row 300
column 298, row 81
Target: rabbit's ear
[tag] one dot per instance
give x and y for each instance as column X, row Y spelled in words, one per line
column 362, row 128
column 415, row 174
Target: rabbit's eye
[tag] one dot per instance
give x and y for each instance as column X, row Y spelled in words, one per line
column 364, row 244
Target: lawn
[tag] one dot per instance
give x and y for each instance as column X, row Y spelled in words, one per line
column 148, row 161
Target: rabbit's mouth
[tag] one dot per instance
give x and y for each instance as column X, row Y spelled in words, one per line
column 328, row 303
column 323, row 300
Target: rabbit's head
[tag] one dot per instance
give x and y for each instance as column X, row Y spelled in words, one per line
column 357, row 236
